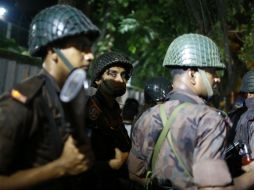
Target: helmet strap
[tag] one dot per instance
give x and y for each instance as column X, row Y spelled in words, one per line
column 206, row 83
column 64, row 59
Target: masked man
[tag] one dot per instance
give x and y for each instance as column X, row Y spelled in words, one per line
column 109, row 137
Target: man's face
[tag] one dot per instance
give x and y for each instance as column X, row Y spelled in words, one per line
column 78, row 52
column 210, row 79
column 117, row 74
column 113, row 81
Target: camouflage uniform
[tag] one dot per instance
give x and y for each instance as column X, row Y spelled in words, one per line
column 198, row 133
column 245, row 126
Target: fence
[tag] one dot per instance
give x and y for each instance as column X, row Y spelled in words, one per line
column 14, row 68
column 19, row 34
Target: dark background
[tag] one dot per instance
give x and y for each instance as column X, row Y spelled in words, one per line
column 20, row 12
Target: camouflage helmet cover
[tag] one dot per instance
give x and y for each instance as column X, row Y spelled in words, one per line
column 156, row 90
column 107, row 60
column 193, row 50
column 247, row 84
column 57, row 22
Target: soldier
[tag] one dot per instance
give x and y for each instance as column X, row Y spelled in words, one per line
column 244, row 126
column 155, row 91
column 239, row 106
column 190, row 152
column 109, row 137
column 37, row 150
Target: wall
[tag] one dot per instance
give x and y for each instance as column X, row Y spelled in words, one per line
column 15, row 68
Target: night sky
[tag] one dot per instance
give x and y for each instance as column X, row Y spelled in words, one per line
column 21, row 12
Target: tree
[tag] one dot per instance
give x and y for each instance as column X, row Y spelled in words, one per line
column 69, row 2
column 143, row 29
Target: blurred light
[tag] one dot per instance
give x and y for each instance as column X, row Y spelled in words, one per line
column 3, row 12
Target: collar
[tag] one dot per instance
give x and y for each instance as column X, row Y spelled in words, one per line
column 52, row 80
column 185, row 96
column 249, row 103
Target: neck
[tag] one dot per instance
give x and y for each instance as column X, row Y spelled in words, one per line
column 109, row 99
column 54, row 72
column 182, row 84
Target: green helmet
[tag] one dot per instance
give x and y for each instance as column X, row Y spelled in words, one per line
column 193, row 50
column 107, row 60
column 57, row 22
column 247, row 84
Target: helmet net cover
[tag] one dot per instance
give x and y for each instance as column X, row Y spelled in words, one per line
column 57, row 22
column 247, row 84
column 193, row 50
column 156, row 90
column 107, row 60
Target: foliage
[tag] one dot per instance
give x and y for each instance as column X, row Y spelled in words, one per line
column 11, row 45
column 143, row 29
column 246, row 31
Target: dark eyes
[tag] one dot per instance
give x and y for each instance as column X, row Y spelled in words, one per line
column 115, row 73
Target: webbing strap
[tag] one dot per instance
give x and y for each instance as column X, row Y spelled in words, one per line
column 167, row 122
column 186, row 171
column 64, row 59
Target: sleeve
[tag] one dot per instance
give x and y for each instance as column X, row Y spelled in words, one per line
column 136, row 161
column 251, row 138
column 208, row 154
column 101, row 168
column 12, row 132
column 145, row 133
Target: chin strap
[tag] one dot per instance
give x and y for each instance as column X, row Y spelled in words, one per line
column 207, row 84
column 64, row 59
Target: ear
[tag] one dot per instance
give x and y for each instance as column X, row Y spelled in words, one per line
column 192, row 76
column 52, row 55
column 98, row 82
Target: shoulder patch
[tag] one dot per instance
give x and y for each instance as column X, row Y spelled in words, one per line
column 15, row 94
column 26, row 90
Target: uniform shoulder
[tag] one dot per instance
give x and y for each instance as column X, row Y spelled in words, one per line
column 216, row 111
column 25, row 91
column 222, row 115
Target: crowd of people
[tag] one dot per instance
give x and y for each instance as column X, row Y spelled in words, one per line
column 176, row 142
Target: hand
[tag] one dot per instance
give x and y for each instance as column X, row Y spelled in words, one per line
column 119, row 160
column 72, row 160
column 249, row 167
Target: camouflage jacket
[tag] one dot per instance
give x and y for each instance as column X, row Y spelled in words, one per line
column 198, row 135
column 245, row 126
